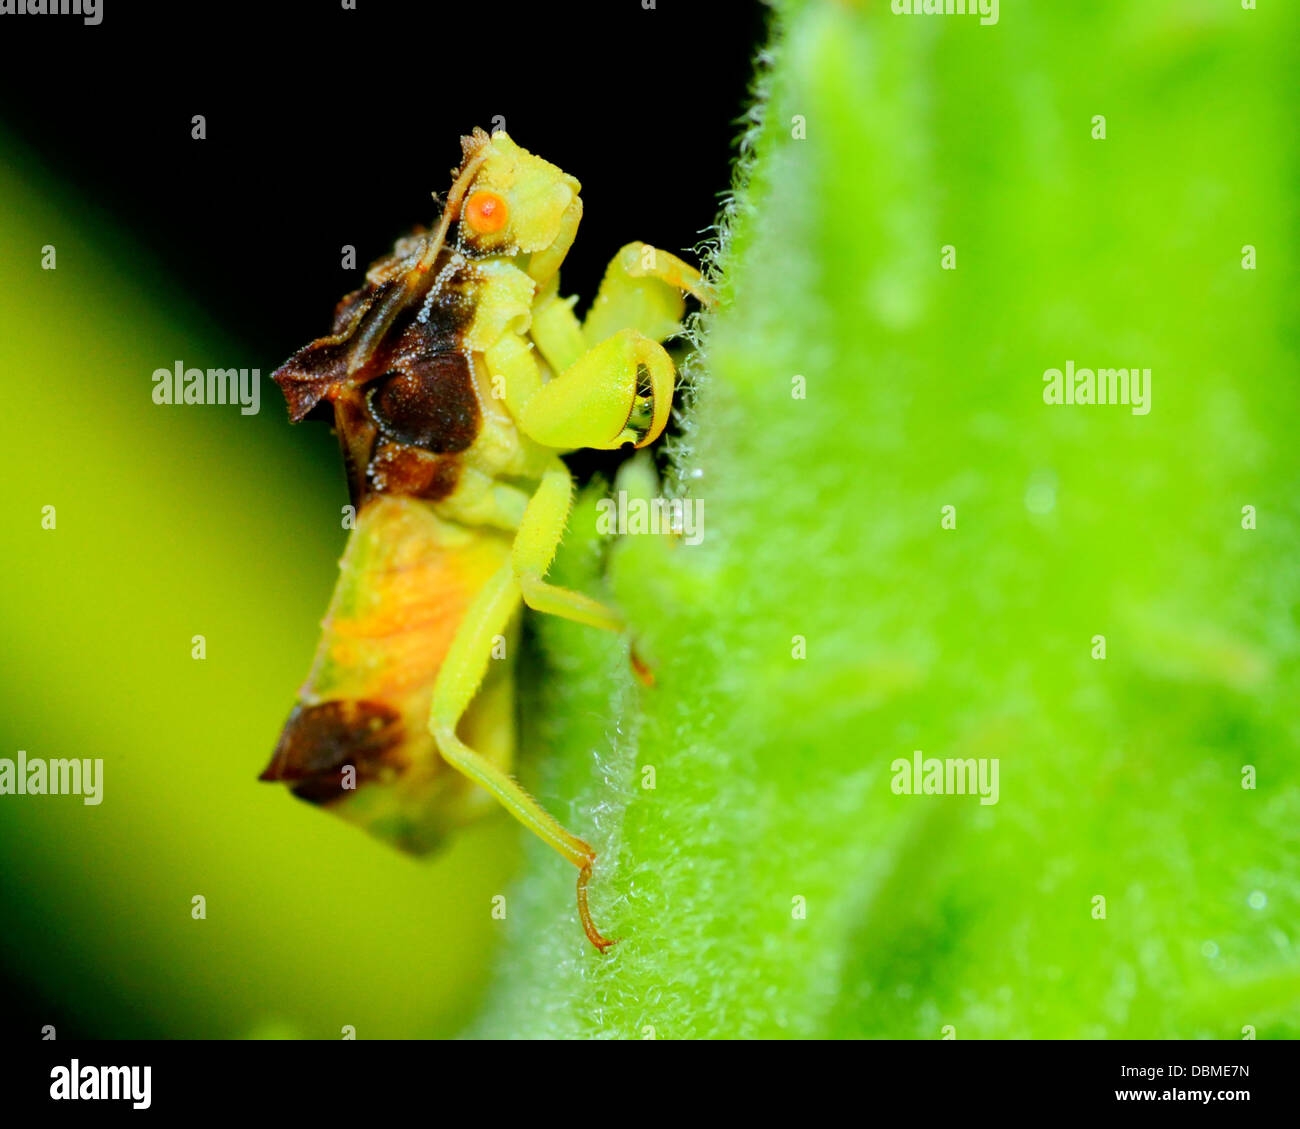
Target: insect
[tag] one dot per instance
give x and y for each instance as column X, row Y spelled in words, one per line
column 455, row 378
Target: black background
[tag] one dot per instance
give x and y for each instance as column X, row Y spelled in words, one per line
column 364, row 1081
column 328, row 127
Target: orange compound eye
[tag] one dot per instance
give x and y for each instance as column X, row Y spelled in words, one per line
column 486, row 212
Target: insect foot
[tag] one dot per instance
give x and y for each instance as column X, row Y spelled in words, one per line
column 589, row 926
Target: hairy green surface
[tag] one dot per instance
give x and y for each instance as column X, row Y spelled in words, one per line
column 1119, row 777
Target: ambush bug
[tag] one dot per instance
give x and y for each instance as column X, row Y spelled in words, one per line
column 455, row 378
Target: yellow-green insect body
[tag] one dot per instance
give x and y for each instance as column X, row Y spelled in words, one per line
column 455, row 378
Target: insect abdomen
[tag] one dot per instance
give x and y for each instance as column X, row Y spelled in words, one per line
column 406, row 580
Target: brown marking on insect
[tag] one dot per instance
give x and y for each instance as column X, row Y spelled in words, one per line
column 396, row 372
column 400, row 469
column 306, row 376
column 395, row 314
column 384, row 272
column 350, row 307
column 318, row 741
column 429, row 402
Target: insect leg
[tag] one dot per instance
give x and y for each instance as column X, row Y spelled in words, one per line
column 534, row 548
column 556, row 330
column 618, row 392
column 642, row 290
column 513, row 370
column 458, row 681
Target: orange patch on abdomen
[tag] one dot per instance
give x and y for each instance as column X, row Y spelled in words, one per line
column 406, row 582
column 358, row 741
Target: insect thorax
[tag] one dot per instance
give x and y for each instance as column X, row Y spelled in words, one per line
column 412, row 404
